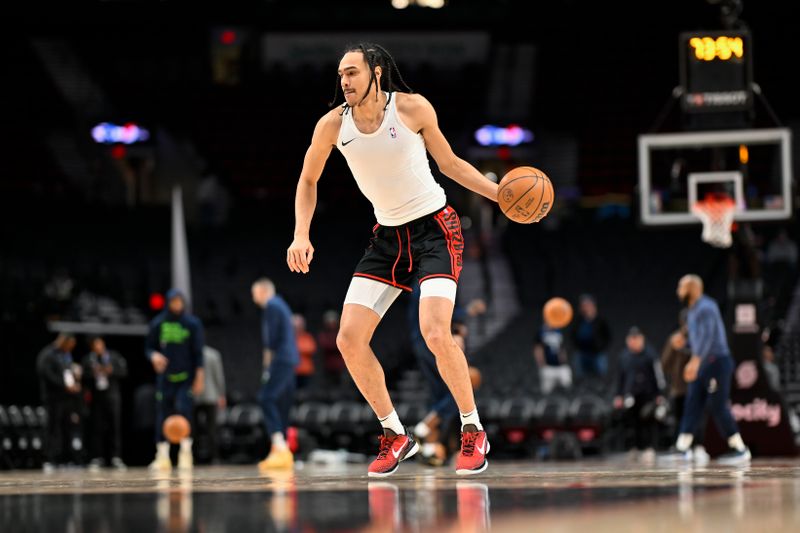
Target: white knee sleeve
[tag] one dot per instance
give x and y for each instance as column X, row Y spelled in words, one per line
column 443, row 287
column 372, row 294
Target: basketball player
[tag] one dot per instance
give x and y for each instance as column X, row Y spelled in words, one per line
column 383, row 131
column 278, row 380
column 174, row 346
column 708, row 373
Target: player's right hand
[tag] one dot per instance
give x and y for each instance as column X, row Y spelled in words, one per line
column 159, row 362
column 691, row 369
column 300, row 254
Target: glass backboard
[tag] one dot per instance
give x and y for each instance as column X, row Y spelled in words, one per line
column 752, row 166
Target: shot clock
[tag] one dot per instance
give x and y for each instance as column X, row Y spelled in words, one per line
column 716, row 71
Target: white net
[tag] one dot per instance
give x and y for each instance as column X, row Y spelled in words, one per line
column 716, row 214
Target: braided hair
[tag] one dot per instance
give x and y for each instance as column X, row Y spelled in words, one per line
column 376, row 56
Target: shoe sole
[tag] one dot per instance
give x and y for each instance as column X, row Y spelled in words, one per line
column 275, row 467
column 467, row 472
column 733, row 462
column 674, row 460
column 411, row 453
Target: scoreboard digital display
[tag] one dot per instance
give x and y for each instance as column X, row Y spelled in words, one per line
column 716, row 71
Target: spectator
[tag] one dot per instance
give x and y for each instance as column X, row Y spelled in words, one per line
column 174, row 346
column 674, row 357
column 60, row 387
column 213, row 200
column 769, row 339
column 591, row 336
column 209, row 402
column 550, row 354
column 332, row 360
column 781, row 271
column 102, row 371
column 278, row 382
column 640, row 390
column 59, row 292
column 307, row 347
column 782, row 249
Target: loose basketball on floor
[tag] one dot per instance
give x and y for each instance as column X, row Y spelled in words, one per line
column 557, row 312
column 525, row 195
column 176, row 428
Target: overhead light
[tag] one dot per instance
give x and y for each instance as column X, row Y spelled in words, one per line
column 402, row 4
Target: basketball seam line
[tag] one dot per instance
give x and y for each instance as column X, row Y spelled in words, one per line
column 522, row 195
column 540, row 203
column 501, row 189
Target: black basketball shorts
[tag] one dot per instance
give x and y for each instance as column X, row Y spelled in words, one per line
column 431, row 246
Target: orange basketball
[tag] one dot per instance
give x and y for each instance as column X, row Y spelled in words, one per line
column 525, row 195
column 176, row 428
column 557, row 312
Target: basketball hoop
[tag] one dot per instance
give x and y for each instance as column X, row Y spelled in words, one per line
column 716, row 213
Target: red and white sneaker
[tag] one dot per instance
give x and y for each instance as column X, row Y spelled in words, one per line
column 394, row 448
column 474, row 447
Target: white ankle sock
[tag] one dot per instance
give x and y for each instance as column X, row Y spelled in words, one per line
column 186, row 445
column 162, row 449
column 278, row 442
column 392, row 422
column 735, row 441
column 471, row 418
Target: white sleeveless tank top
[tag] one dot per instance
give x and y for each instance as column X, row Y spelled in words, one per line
column 391, row 168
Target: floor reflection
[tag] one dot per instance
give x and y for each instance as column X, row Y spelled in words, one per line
column 426, row 509
column 382, row 508
column 594, row 499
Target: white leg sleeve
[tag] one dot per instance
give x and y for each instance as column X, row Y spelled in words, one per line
column 444, row 287
column 372, row 294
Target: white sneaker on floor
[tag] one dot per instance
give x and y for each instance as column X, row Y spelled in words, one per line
column 648, row 456
column 700, row 456
column 735, row 457
column 95, row 465
column 675, row 457
column 185, row 460
column 160, row 464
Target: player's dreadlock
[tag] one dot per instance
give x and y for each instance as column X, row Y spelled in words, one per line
column 376, row 56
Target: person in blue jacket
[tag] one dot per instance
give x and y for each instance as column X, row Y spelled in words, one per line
column 708, row 373
column 278, row 381
column 174, row 346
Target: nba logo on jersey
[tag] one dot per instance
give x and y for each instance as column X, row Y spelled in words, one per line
column 393, row 132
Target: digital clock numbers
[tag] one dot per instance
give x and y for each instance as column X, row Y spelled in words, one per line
column 723, row 47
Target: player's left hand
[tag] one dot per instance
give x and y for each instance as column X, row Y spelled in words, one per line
column 691, row 368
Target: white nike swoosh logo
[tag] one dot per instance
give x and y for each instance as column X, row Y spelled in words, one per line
column 397, row 453
column 482, row 447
